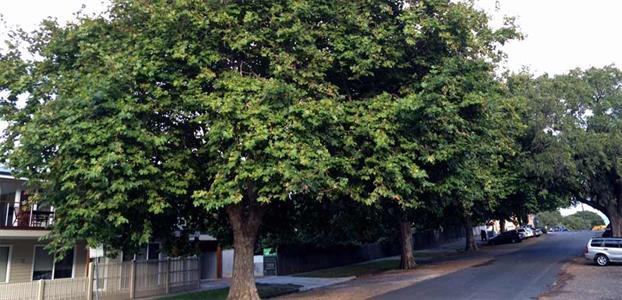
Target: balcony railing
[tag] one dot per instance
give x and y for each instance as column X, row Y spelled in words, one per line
column 24, row 217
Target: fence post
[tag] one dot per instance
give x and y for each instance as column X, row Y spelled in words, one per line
column 133, row 279
column 197, row 271
column 167, row 283
column 41, row 292
column 89, row 283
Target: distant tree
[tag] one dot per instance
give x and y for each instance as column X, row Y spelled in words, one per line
column 578, row 124
column 592, row 218
column 550, row 218
column 543, row 172
column 471, row 171
column 582, row 220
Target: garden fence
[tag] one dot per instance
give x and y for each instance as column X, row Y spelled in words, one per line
column 113, row 281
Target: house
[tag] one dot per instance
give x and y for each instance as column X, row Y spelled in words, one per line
column 23, row 256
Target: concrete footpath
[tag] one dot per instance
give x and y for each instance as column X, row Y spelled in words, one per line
column 305, row 283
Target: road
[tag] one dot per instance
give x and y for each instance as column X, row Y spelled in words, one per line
column 524, row 274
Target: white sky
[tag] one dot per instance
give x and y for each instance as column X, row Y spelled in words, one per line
column 560, row 34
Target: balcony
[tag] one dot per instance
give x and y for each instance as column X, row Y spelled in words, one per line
column 15, row 216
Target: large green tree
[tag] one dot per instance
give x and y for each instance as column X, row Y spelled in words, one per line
column 156, row 105
column 544, row 173
column 480, row 124
column 593, row 102
column 575, row 139
column 407, row 142
column 235, row 106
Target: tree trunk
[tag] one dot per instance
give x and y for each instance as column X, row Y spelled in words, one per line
column 615, row 208
column 615, row 218
column 471, row 243
column 407, row 258
column 245, row 222
column 502, row 225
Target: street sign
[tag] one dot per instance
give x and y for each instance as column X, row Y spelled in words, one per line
column 96, row 252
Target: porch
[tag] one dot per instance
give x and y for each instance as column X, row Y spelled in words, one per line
column 17, row 212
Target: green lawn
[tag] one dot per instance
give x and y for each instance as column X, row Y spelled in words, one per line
column 373, row 267
column 354, row 270
column 265, row 291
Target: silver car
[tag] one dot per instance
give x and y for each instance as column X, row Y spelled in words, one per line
column 604, row 250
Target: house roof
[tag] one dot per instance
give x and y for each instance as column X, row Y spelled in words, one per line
column 5, row 171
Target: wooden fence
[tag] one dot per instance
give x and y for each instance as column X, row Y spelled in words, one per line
column 113, row 281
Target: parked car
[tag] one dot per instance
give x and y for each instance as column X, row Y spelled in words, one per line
column 531, row 231
column 526, row 231
column 511, row 236
column 522, row 233
column 560, row 228
column 602, row 251
column 538, row 232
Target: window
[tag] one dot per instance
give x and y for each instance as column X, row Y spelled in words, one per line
column 153, row 251
column 46, row 268
column 597, row 243
column 64, row 267
column 6, row 213
column 149, row 252
column 5, row 252
column 612, row 244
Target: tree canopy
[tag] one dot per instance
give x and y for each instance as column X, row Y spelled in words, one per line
column 157, row 116
column 575, row 138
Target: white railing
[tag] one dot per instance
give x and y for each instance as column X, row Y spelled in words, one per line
column 119, row 280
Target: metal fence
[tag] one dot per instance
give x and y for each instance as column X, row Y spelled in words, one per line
column 113, row 281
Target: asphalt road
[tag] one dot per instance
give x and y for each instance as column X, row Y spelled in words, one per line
column 523, row 274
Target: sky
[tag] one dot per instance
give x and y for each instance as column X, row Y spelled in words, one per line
column 560, row 35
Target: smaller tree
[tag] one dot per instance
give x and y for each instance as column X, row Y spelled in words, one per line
column 385, row 169
column 591, row 218
column 550, row 218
